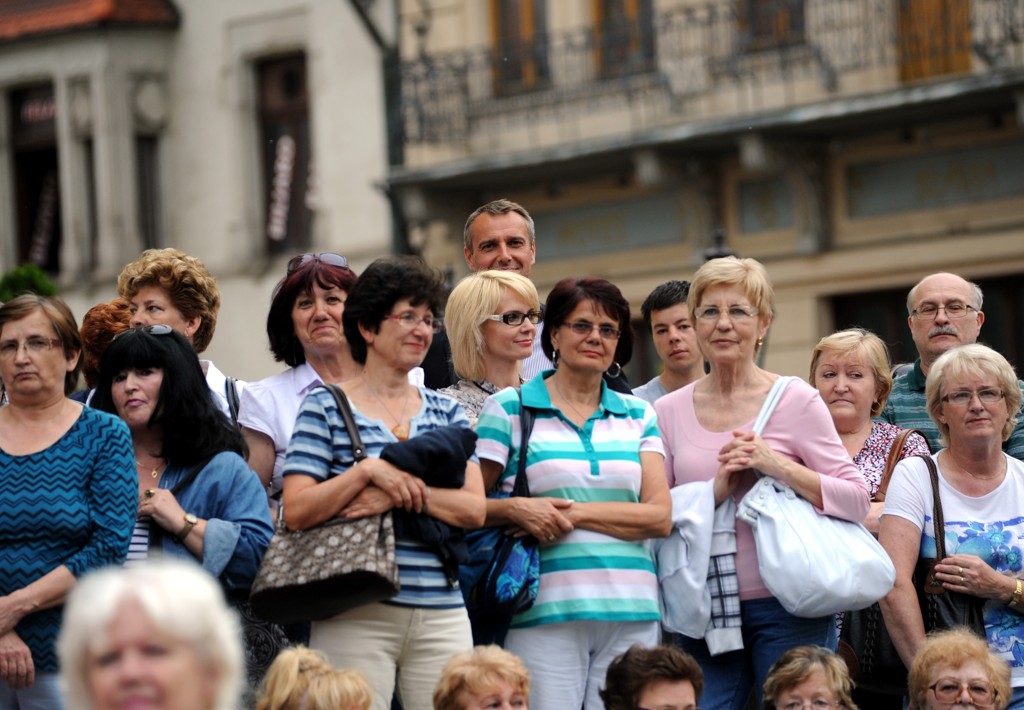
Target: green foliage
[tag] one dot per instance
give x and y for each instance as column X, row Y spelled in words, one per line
column 27, row 277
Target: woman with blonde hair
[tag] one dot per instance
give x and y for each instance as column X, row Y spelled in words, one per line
column 808, row 676
column 953, row 664
column 974, row 398
column 713, row 456
column 486, row 677
column 491, row 319
column 302, row 679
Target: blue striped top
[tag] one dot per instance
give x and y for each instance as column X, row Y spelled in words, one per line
column 320, row 447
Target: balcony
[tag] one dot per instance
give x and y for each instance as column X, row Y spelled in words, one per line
column 697, row 65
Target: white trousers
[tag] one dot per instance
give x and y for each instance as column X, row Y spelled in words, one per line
column 395, row 646
column 568, row 662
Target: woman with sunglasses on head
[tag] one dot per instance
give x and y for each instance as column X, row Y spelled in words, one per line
column 401, row 644
column 171, row 287
column 305, row 332
column 974, row 398
column 712, row 453
column 491, row 319
column 596, row 473
column 197, row 498
column 67, row 493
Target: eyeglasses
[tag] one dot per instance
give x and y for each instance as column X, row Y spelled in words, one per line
column 962, row 398
column 324, row 257
column 411, row 321
column 817, row 704
column 929, row 311
column 35, row 345
column 582, row 327
column 713, row 313
column 155, row 329
column 517, row 318
column 949, row 690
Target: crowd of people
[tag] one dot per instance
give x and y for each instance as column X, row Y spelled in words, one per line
column 137, row 510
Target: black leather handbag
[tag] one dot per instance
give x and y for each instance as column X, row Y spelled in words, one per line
column 941, row 608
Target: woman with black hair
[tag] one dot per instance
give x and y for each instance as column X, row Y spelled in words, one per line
column 150, row 377
column 390, row 319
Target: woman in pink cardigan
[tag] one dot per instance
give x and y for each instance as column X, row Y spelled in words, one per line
column 707, row 430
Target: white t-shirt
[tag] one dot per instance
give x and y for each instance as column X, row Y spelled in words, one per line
column 990, row 527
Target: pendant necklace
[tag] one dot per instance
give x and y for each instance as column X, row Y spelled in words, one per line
column 154, row 472
column 401, row 432
column 565, row 399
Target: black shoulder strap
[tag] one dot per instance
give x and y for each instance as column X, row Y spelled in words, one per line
column 231, row 392
column 521, row 487
column 345, row 409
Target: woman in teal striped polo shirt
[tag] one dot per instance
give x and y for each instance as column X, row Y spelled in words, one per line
column 595, row 465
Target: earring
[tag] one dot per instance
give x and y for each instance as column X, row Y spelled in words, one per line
column 614, row 371
column 554, row 359
column 760, row 342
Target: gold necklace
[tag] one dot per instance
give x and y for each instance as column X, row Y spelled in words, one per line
column 155, row 472
column 401, row 432
column 565, row 399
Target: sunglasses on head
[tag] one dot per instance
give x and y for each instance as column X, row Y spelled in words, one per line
column 324, row 257
column 155, row 329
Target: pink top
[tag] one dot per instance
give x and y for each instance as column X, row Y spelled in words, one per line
column 800, row 429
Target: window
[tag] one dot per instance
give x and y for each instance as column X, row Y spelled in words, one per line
column 520, row 58
column 768, row 24
column 625, row 37
column 147, row 185
column 934, row 38
column 36, row 179
column 287, row 161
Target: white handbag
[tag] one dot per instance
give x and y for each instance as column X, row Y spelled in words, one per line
column 812, row 563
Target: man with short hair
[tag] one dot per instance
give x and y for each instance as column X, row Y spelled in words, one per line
column 667, row 316
column 944, row 312
column 498, row 235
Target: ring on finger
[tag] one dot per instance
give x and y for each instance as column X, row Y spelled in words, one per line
column 962, row 579
column 150, row 492
column 550, row 538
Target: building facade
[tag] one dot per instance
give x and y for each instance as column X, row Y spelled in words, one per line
column 240, row 131
column 852, row 146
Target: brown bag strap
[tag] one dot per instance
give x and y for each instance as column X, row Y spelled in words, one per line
column 895, row 455
column 937, row 519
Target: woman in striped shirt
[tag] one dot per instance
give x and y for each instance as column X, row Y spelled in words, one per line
column 389, row 322
column 596, row 471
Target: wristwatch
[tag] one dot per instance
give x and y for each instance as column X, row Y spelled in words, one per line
column 190, row 522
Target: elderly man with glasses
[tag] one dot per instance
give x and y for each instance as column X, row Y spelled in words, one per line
column 944, row 312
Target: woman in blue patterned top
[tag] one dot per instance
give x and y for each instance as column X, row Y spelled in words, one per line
column 67, row 493
column 974, row 399
column 389, row 322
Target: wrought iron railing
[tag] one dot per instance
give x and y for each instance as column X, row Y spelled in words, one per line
column 694, row 51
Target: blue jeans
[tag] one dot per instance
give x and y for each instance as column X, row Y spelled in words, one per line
column 43, row 695
column 768, row 632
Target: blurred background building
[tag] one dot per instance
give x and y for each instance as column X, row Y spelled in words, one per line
column 853, row 146
column 241, row 131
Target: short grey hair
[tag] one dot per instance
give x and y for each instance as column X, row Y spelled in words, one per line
column 179, row 598
column 967, row 361
column 495, row 208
